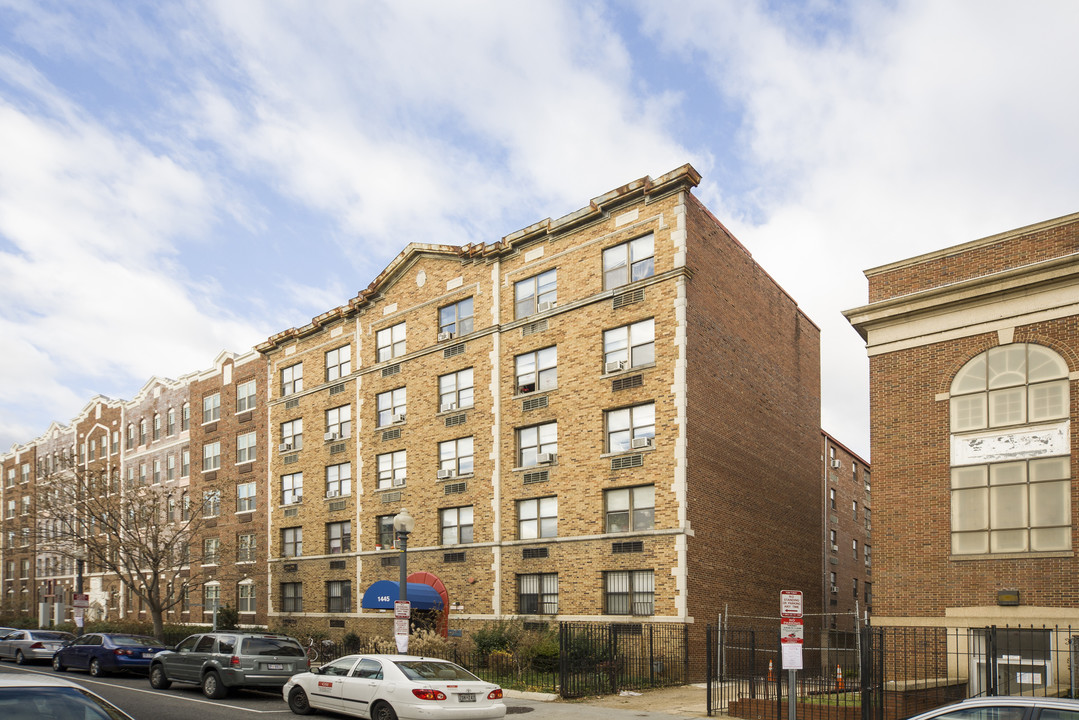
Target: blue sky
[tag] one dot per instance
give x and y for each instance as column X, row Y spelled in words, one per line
column 179, row 178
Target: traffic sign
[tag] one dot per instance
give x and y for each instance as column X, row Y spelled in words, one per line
column 80, row 600
column 790, row 603
column 402, row 609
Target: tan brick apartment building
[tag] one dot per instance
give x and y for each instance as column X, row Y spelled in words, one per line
column 848, row 534
column 974, row 358
column 614, row 415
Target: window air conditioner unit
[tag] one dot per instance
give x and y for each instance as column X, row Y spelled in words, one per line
column 446, row 407
column 445, row 336
column 545, row 458
column 867, row 563
column 329, row 436
column 443, row 474
column 638, row 443
column 615, row 366
column 332, row 493
column 284, row 447
column 835, row 589
column 546, row 305
column 836, row 464
column 835, row 548
column 398, row 418
column 398, row 481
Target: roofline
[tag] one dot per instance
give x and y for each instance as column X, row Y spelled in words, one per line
column 846, row 449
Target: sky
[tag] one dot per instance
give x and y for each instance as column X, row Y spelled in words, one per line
column 179, row 178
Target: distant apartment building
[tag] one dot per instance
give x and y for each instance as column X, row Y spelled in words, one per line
column 613, row 415
column 848, row 534
column 974, row 358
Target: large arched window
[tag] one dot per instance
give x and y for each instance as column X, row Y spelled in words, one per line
column 1011, row 461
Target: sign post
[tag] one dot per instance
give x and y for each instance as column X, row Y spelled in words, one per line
column 791, row 639
column 80, row 601
column 402, row 611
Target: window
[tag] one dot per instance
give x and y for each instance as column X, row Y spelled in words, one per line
column 292, row 541
column 831, row 498
column 291, row 488
column 157, row 427
column 292, row 597
column 868, row 594
column 338, row 422
column 142, row 473
column 211, row 598
column 385, row 536
column 456, row 456
column 245, row 497
column 185, row 508
column 537, row 518
column 211, row 456
column 338, row 537
column 211, row 408
column 456, row 525
column 629, row 592
column 142, row 437
column 629, row 262
column 832, row 539
column 868, row 555
column 25, row 476
column 339, row 596
column 338, row 363
column 456, row 318
column 245, row 396
column 854, row 548
column 537, row 371
column 245, row 448
column 185, row 462
column 391, row 406
column 855, row 588
column 866, row 515
column 630, row 509
column 537, row 594
column 170, row 467
column 536, row 294
column 292, row 435
column 93, row 451
column 211, row 503
column 391, row 469
column 185, row 417
column 631, row 345
column 245, row 547
column 11, row 509
column 130, row 436
column 157, row 472
column 624, row 426
column 831, row 580
column 292, row 379
column 854, row 509
column 245, row 596
column 210, row 549
column 390, row 342
column 854, row 469
column 339, row 480
column 1021, row 504
column 455, row 390
column 536, row 441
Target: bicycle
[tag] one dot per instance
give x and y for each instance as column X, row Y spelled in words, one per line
column 312, row 651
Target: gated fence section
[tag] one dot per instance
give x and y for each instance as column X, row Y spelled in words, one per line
column 886, row 673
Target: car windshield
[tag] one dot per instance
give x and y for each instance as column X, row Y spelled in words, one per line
column 432, row 670
column 271, row 646
column 56, row 703
column 49, row 635
column 135, row 641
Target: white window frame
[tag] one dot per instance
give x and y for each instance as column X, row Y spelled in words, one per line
column 457, row 525
column 456, row 318
column 246, row 396
column 629, row 262
column 211, row 456
column 339, row 479
column 338, row 362
column 457, row 455
column 633, row 345
column 246, row 496
column 529, row 293
column 246, row 444
column 636, row 503
column 292, row 379
column 457, row 389
column 339, row 421
column 390, row 404
column 534, row 440
column 392, row 469
column 537, row 370
column 624, row 425
column 537, row 518
column 211, row 408
column 291, row 488
column 390, row 342
column 292, row 433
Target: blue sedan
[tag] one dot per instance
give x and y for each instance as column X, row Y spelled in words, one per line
column 102, row 653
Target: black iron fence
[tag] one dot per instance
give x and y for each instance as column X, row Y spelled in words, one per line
column 885, row 673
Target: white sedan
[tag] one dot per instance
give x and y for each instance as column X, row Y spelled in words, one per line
column 388, row 687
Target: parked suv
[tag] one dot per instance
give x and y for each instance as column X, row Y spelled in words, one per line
column 220, row 661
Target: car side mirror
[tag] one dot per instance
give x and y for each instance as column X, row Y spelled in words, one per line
column 316, row 670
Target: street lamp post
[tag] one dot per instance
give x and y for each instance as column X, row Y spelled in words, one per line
column 403, row 523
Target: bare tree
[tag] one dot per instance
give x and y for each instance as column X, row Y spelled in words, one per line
column 140, row 534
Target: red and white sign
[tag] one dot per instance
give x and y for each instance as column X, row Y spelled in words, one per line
column 792, row 630
column 80, row 600
column 402, row 609
column 790, row 603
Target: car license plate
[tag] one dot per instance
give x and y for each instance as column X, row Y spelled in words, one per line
column 466, row 697
column 146, row 655
column 275, row 666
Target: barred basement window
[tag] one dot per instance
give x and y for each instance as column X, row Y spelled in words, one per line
column 625, row 383
column 391, row 369
column 338, row 388
column 337, row 564
column 391, row 434
column 629, row 546
column 453, row 350
column 293, row 403
column 391, row 561
column 536, row 477
column 627, row 461
column 454, row 557
column 453, row 420
column 627, row 298
column 534, row 553
column 533, row 328
column 455, row 488
column 534, row 403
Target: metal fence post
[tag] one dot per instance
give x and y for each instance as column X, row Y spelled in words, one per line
column 708, row 669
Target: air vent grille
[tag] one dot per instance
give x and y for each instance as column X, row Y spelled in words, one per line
column 629, row 546
column 391, row 561
column 391, row 497
column 627, row 461
column 627, row 298
column 292, row 512
column 456, row 419
column 455, row 488
column 537, row 477
column 453, row 350
column 290, row 459
column 534, row 403
column 338, row 388
column 338, row 505
column 337, row 448
column 534, row 553
column 391, row 434
column 293, row 403
column 454, row 557
column 290, row 567
column 624, row 383
column 533, row 327
column 391, row 369
column 337, row 564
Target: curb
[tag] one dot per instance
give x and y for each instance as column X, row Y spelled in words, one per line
column 525, row 695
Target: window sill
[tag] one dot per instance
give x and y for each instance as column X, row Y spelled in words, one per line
column 245, row 462
column 463, row 476
column 454, row 411
column 636, row 451
column 1013, row 556
column 338, row 497
column 635, row 368
column 534, row 393
column 534, row 468
column 244, row 512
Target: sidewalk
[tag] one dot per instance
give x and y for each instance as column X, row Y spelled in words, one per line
column 677, row 702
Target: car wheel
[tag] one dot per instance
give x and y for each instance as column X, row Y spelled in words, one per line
column 158, row 679
column 383, row 711
column 57, row 665
column 212, row 687
column 298, row 702
column 95, row 669
column 20, row 659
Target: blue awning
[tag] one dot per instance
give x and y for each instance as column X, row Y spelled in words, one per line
column 382, row 594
